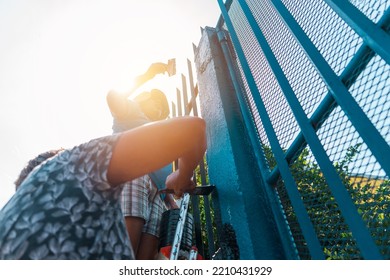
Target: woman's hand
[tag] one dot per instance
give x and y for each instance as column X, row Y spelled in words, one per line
column 179, row 184
column 153, row 70
column 156, row 68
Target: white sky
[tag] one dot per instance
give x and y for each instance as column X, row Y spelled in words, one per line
column 59, row 58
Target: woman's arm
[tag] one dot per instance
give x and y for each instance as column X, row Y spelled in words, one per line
column 153, row 70
column 150, row 147
column 118, row 102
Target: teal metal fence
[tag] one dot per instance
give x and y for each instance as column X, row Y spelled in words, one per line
column 312, row 79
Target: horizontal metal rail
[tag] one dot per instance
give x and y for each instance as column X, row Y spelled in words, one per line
column 348, row 77
column 374, row 140
column 372, row 34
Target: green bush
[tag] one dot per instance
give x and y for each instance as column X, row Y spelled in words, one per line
column 371, row 198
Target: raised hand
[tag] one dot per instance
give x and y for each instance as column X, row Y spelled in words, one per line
column 156, row 68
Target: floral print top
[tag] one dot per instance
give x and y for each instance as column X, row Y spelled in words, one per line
column 66, row 209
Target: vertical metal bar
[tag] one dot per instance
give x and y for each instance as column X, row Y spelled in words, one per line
column 194, row 46
column 285, row 234
column 373, row 35
column 192, row 89
column 197, row 223
column 347, row 207
column 179, row 114
column 173, row 106
column 185, row 95
column 207, row 209
column 179, row 106
column 291, row 187
column 374, row 140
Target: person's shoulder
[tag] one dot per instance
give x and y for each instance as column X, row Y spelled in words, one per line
column 92, row 157
column 92, row 149
column 98, row 143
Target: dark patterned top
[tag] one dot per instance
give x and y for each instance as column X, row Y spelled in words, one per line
column 66, row 209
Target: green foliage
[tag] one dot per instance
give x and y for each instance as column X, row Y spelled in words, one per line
column 371, row 198
column 203, row 212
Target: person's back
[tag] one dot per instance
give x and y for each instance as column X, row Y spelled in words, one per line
column 140, row 200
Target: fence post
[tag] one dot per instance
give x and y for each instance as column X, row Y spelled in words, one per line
column 240, row 199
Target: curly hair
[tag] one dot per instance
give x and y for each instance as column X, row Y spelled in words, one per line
column 34, row 163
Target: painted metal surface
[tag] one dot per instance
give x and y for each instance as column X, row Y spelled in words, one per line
column 342, row 132
column 231, row 164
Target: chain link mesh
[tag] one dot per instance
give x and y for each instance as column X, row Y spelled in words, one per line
column 361, row 174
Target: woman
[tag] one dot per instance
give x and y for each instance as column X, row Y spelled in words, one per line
column 142, row 206
column 68, row 207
